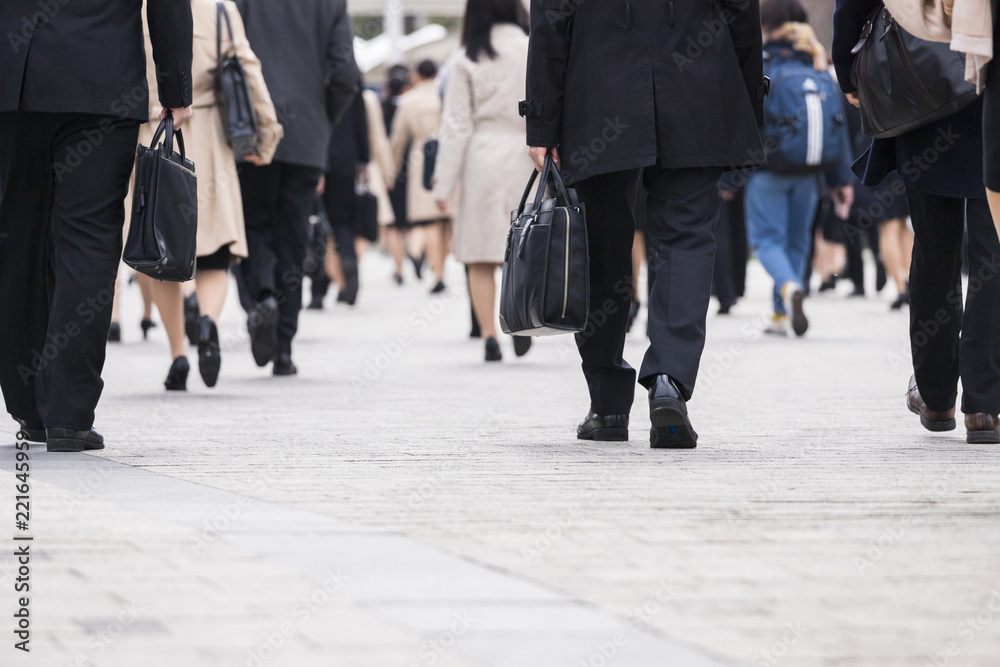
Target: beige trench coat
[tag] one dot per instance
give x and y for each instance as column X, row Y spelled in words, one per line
column 482, row 147
column 417, row 119
column 220, row 204
column 381, row 169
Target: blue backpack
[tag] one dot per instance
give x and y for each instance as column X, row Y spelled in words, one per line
column 804, row 122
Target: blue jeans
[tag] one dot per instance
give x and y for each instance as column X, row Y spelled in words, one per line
column 780, row 212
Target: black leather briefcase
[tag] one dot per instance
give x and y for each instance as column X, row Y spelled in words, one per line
column 164, row 229
column 546, row 270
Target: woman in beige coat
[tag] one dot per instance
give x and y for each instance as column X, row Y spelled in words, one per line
column 482, row 149
column 221, row 231
column 418, row 119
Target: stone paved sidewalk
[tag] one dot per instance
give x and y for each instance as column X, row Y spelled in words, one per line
column 400, row 503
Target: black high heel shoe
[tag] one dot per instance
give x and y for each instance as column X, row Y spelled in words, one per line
column 146, row 326
column 115, row 333
column 209, row 352
column 177, row 377
column 191, row 313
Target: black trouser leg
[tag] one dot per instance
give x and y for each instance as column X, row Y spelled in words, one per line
column 722, row 280
column 741, row 249
column 980, row 343
column 319, row 281
column 682, row 209
column 77, row 170
column 936, row 295
column 855, row 260
column 291, row 236
column 610, row 232
column 25, row 209
column 260, row 187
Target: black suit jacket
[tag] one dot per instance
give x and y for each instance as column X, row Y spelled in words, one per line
column 943, row 158
column 623, row 85
column 306, row 49
column 87, row 56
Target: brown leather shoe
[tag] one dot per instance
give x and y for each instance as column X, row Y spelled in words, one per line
column 930, row 419
column 982, row 429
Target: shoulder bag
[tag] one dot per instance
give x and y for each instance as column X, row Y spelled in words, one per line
column 904, row 82
column 233, row 94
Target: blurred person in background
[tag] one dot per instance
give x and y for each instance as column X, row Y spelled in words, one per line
column 146, row 293
column 381, row 168
column 221, row 233
column 69, row 119
column 397, row 83
column 347, row 161
column 944, row 196
column 613, row 97
column 781, row 207
column 482, row 151
column 306, row 51
column 418, row 119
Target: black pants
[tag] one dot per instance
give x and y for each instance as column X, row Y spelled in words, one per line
column 946, row 343
column 277, row 200
column 682, row 207
column 63, row 180
column 731, row 250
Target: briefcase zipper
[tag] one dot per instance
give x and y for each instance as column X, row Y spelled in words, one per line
column 566, row 268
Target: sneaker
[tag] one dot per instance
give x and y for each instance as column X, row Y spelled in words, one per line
column 778, row 326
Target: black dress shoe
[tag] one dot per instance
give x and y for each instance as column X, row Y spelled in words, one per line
column 209, row 352
column 901, row 300
column 349, row 294
column 606, row 428
column 30, row 432
column 68, row 440
column 115, row 333
column 493, row 350
column 439, row 287
column 191, row 313
column 177, row 376
column 283, row 365
column 521, row 345
column 316, row 303
column 263, row 327
column 668, row 414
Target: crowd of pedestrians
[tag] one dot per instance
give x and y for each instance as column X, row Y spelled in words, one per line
column 679, row 179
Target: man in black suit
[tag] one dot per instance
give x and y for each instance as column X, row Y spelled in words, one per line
column 310, row 94
column 73, row 93
column 941, row 165
column 670, row 92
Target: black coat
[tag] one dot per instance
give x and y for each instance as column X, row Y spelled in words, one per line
column 620, row 85
column 944, row 158
column 87, row 56
column 306, row 50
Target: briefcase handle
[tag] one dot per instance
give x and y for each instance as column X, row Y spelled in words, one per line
column 166, row 128
column 549, row 173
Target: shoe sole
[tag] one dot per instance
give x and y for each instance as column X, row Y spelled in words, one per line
column 264, row 337
column 982, row 437
column 931, row 425
column 800, row 323
column 71, row 445
column 606, row 435
column 671, row 428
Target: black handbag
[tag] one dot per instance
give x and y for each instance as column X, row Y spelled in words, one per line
column 430, row 162
column 365, row 213
column 233, row 94
column 164, row 223
column 545, row 288
column 905, row 82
